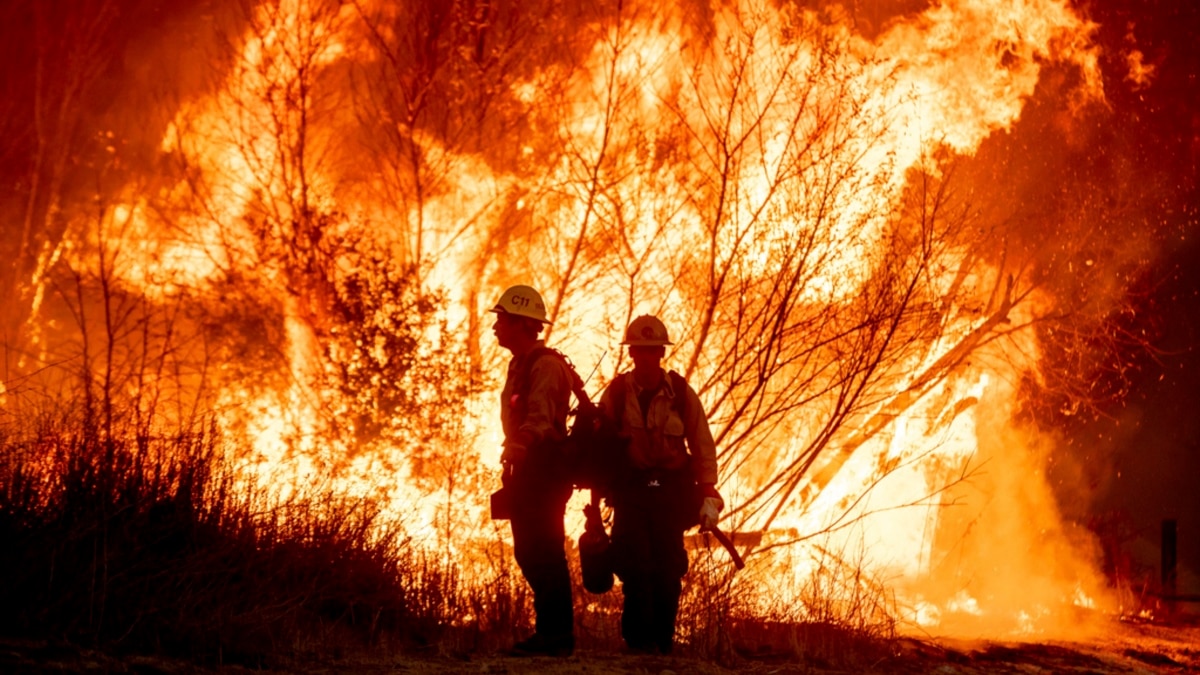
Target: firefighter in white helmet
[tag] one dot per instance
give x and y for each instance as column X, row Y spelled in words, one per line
column 667, row 487
column 534, row 406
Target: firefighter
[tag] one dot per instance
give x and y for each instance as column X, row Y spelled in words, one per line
column 667, row 487
column 534, row 406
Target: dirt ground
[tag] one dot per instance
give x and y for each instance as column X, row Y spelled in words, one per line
column 1127, row 648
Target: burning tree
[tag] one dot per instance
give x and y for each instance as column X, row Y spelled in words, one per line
column 328, row 214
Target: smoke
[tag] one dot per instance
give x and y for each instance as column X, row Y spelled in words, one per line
column 1142, row 445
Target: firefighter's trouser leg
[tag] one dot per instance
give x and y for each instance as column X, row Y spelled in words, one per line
column 647, row 541
column 538, row 536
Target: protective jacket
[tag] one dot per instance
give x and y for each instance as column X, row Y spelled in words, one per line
column 534, row 411
column 663, row 437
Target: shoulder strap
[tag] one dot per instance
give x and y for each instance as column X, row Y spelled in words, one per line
column 527, row 368
column 618, row 397
column 679, row 386
column 576, row 380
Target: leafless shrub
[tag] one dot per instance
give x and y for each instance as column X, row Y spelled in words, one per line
column 838, row 614
column 149, row 543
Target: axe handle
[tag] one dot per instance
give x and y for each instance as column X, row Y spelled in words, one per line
column 724, row 540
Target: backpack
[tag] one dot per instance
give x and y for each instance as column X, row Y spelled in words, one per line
column 592, row 448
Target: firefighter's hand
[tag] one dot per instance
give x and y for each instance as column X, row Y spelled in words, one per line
column 710, row 511
column 710, row 508
column 514, row 453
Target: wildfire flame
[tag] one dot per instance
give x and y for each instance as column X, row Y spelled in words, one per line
column 706, row 164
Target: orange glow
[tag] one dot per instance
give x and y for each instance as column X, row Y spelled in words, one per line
column 771, row 155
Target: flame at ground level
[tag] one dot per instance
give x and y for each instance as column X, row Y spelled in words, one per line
column 954, row 528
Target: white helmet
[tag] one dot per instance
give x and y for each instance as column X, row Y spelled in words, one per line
column 522, row 301
column 646, row 331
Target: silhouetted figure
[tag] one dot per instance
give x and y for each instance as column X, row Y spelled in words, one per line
column 668, row 486
column 534, row 406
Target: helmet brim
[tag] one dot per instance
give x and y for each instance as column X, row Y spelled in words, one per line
column 500, row 310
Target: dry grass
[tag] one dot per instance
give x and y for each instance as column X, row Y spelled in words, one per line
column 156, row 546
column 838, row 616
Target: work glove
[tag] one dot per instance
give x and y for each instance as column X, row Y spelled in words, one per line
column 710, row 507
